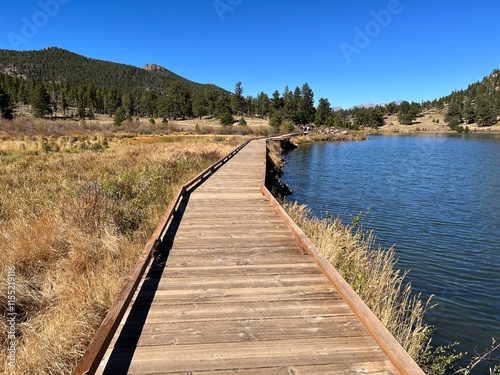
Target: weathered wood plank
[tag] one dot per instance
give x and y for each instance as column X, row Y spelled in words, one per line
column 236, row 331
column 239, row 310
column 307, row 267
column 224, row 295
column 250, row 354
column 365, row 368
column 248, row 281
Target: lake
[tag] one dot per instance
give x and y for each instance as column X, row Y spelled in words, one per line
column 436, row 197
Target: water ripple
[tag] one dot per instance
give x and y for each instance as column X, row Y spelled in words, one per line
column 436, row 198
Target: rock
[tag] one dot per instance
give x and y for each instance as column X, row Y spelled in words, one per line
column 154, row 68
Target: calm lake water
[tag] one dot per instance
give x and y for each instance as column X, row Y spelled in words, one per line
column 437, row 199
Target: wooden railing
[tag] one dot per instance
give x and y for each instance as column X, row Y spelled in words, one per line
column 386, row 341
column 89, row 363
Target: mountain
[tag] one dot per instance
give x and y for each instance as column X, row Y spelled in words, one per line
column 54, row 81
column 59, row 65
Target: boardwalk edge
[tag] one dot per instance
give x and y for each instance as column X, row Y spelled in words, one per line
column 398, row 356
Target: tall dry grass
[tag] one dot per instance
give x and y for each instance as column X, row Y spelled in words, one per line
column 371, row 272
column 72, row 224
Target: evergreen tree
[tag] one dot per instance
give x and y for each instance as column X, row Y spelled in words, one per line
column 178, row 102
column 263, row 104
column 306, row 111
column 250, row 107
column 211, row 96
column 485, row 112
column 405, row 114
column 120, row 116
column 200, row 105
column 80, row 112
column 469, row 112
column 391, row 108
column 237, row 100
column 6, row 111
column 415, row 109
column 222, row 105
column 40, row 101
column 276, row 102
column 148, row 104
column 276, row 120
column 323, row 113
column 454, row 114
column 227, row 119
column 290, row 104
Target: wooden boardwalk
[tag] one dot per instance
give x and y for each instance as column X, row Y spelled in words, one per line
column 231, row 292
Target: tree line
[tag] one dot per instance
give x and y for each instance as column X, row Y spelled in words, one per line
column 57, row 81
column 179, row 101
column 479, row 103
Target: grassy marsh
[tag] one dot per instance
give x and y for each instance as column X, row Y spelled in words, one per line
column 73, row 221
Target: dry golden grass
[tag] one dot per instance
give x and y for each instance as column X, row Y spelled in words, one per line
column 73, row 224
column 371, row 272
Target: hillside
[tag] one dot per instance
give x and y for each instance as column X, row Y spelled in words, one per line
column 478, row 105
column 59, row 65
column 66, row 84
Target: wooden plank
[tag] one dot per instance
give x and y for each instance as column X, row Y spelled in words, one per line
column 242, row 310
column 251, row 354
column 365, row 368
column 236, row 331
column 248, row 281
column 231, row 260
column 306, row 267
column 235, row 245
column 224, row 295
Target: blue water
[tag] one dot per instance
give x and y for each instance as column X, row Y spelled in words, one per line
column 437, row 199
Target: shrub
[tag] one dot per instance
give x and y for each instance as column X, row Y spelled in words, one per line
column 226, row 119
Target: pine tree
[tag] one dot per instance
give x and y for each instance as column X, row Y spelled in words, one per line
column 227, row 119
column 263, row 104
column 469, row 112
column 40, row 101
column 6, row 111
column 485, row 112
column 120, row 116
column 306, row 110
column 237, row 100
column 323, row 113
column 405, row 114
column 276, row 102
column 276, row 120
column 290, row 104
column 454, row 114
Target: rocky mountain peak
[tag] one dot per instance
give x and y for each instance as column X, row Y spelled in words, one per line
column 154, row 68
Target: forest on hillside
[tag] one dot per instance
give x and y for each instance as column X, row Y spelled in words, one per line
column 57, row 83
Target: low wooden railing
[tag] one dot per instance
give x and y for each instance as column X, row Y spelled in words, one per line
column 89, row 363
column 385, row 340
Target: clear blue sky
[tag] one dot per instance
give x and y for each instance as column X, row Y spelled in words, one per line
column 350, row 52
